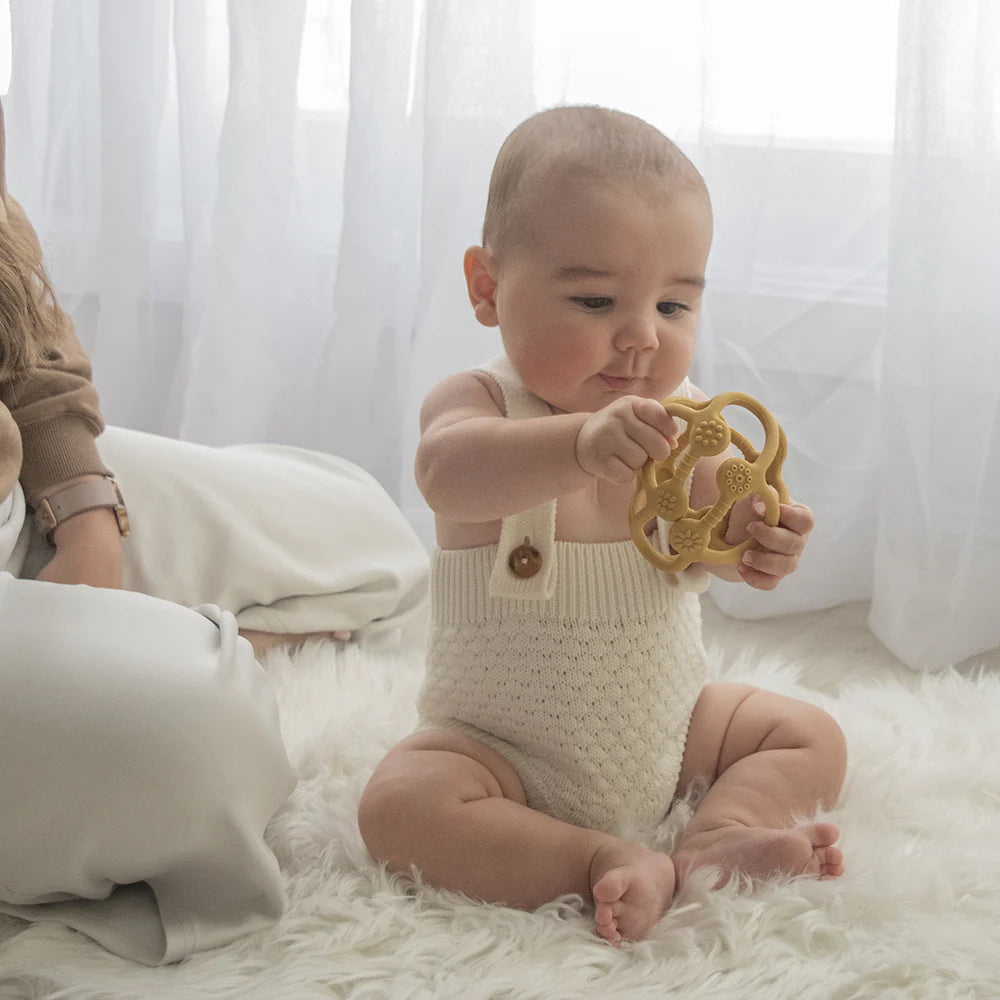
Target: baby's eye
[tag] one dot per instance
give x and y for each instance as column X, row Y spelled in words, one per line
column 669, row 308
column 593, row 302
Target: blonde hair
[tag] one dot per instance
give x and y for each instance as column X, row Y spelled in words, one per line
column 29, row 318
column 577, row 138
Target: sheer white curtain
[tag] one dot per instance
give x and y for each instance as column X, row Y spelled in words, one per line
column 936, row 594
column 247, row 206
column 256, row 212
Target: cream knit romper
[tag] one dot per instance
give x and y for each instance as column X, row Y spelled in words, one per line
column 583, row 676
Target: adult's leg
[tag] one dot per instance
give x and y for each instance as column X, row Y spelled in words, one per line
column 141, row 760
column 770, row 762
column 455, row 809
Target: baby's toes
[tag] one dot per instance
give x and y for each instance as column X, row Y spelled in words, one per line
column 606, row 923
column 609, row 888
column 609, row 932
column 822, row 834
column 607, row 892
column 831, row 862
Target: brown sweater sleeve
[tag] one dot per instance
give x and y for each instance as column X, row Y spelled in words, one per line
column 55, row 406
column 53, row 403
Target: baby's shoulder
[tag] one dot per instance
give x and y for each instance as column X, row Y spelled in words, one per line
column 463, row 395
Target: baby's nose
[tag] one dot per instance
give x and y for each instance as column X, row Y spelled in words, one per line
column 636, row 333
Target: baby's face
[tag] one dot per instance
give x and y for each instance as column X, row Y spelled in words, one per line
column 600, row 296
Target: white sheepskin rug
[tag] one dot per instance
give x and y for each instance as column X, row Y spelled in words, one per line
column 916, row 915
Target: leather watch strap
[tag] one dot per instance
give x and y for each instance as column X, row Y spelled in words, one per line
column 78, row 499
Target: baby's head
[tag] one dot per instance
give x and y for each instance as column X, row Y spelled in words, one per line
column 595, row 241
column 574, row 142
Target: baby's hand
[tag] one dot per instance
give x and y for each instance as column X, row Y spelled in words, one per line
column 778, row 548
column 619, row 439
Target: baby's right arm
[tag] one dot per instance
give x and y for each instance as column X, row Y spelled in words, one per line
column 474, row 465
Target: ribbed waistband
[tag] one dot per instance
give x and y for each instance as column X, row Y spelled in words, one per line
column 596, row 580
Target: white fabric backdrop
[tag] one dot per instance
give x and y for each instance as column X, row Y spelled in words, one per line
column 256, row 214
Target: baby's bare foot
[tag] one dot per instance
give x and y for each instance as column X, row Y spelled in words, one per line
column 760, row 852
column 632, row 888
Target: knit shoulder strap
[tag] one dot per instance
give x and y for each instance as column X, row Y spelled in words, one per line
column 525, row 566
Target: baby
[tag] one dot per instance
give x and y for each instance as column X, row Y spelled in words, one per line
column 565, row 704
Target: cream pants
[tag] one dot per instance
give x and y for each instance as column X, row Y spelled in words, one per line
column 140, row 749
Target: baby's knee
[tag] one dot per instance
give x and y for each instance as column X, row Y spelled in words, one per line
column 815, row 730
column 390, row 804
column 402, row 802
column 833, row 745
column 419, row 791
column 821, row 729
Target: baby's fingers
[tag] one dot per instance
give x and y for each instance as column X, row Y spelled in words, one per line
column 650, row 441
column 756, row 579
column 796, row 517
column 653, row 418
column 776, row 539
column 788, row 537
column 769, row 563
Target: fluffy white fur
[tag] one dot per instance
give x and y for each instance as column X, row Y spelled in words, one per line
column 914, row 916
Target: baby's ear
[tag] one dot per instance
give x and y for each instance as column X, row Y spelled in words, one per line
column 480, row 280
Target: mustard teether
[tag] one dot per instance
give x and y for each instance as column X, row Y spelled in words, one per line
column 662, row 487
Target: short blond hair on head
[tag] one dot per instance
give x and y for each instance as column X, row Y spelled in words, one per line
column 581, row 138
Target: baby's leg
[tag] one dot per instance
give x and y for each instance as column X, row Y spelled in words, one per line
column 769, row 761
column 263, row 642
column 455, row 809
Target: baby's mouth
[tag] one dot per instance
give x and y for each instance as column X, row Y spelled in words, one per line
column 622, row 384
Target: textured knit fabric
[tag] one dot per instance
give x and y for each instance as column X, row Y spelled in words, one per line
column 584, row 683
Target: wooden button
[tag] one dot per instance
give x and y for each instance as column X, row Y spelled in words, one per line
column 525, row 561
